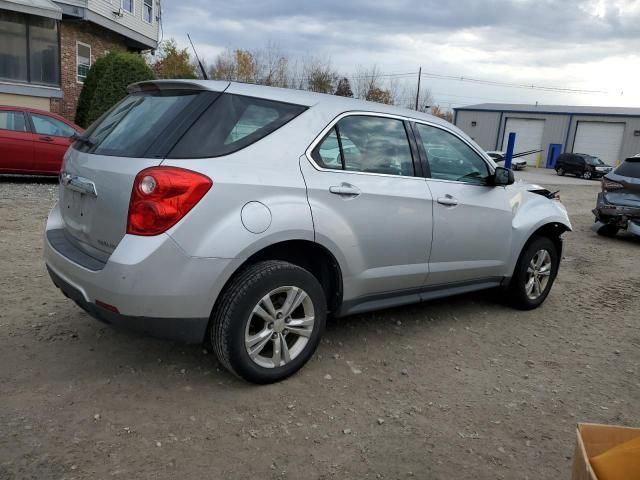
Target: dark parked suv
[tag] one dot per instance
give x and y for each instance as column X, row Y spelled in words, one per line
column 582, row 165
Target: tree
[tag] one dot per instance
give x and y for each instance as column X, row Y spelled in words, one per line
column 122, row 70
column 173, row 62
column 437, row 111
column 237, row 65
column 319, row 76
column 246, row 66
column 425, row 102
column 95, row 73
column 344, row 88
column 380, row 95
column 368, row 85
column 273, row 67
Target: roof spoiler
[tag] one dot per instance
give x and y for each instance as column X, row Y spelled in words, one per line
column 202, row 85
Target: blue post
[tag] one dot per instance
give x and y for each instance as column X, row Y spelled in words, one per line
column 509, row 155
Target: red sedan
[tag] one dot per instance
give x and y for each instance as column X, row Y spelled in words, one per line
column 33, row 141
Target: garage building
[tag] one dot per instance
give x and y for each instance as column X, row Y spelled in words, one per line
column 611, row 133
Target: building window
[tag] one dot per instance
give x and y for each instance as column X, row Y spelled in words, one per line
column 127, row 5
column 147, row 11
column 29, row 49
column 83, row 61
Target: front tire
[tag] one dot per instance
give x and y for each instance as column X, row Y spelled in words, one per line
column 268, row 321
column 534, row 274
column 587, row 175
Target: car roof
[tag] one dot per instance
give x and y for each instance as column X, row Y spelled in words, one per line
column 42, row 112
column 289, row 95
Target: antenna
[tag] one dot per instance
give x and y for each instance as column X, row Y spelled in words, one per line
column 204, row 73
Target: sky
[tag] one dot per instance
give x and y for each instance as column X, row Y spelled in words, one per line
column 591, row 45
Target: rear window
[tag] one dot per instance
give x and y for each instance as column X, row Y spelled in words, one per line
column 629, row 168
column 231, row 123
column 131, row 127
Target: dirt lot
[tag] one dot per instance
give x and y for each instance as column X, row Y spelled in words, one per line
column 462, row 388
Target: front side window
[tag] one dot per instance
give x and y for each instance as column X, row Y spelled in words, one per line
column 368, row 144
column 450, row 158
column 83, row 61
column 12, row 121
column 594, row 161
column 45, row 125
column 29, row 49
column 127, row 5
column 147, row 11
column 231, row 123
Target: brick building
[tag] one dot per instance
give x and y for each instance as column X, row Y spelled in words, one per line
column 47, row 47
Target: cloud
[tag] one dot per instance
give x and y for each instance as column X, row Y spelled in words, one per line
column 512, row 40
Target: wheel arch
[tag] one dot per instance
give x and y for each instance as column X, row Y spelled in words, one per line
column 311, row 256
column 552, row 230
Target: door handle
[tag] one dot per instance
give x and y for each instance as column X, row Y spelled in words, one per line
column 46, row 139
column 448, row 200
column 345, row 189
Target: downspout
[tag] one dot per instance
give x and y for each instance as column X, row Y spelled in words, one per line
column 566, row 139
column 499, row 128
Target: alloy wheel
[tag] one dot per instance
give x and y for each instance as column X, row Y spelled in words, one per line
column 538, row 274
column 279, row 327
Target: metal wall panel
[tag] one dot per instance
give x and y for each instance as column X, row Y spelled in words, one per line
column 484, row 132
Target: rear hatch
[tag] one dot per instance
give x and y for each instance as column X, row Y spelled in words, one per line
column 99, row 169
column 627, row 175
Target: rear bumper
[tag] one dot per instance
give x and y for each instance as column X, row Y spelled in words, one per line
column 187, row 330
column 154, row 285
column 621, row 216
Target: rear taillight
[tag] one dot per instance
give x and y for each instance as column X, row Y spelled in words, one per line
column 161, row 196
column 610, row 185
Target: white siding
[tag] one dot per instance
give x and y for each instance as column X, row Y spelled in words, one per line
column 133, row 21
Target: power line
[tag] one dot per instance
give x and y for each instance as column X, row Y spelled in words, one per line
column 511, row 85
column 462, row 78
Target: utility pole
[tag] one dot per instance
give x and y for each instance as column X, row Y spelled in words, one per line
column 418, row 92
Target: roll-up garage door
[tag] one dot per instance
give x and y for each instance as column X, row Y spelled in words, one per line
column 600, row 139
column 528, row 137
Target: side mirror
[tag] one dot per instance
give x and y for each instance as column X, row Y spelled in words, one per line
column 503, row 176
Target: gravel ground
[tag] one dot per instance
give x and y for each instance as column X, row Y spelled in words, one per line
column 463, row 388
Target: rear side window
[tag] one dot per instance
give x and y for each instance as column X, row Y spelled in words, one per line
column 12, row 121
column 362, row 143
column 231, row 123
column 629, row 168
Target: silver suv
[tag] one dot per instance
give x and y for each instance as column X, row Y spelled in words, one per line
column 241, row 216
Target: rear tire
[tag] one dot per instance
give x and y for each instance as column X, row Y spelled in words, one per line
column 608, row 230
column 252, row 328
column 528, row 290
column 560, row 171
